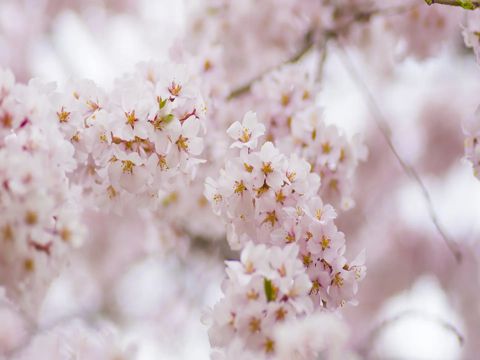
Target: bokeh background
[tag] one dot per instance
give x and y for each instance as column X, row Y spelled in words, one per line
column 413, row 297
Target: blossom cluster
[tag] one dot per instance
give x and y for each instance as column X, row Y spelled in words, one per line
column 332, row 155
column 286, row 102
column 272, row 200
column 257, row 185
column 63, row 153
column 139, row 163
column 40, row 216
column 268, row 286
column 134, row 141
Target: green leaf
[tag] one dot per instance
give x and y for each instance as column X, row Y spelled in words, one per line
column 270, row 291
column 162, row 103
column 167, row 118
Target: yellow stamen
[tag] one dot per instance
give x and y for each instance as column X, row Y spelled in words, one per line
column 182, row 143
column 7, row 233
column 326, row 148
column 291, row 176
column 337, row 280
column 325, row 242
column 111, row 192
column 315, row 287
column 271, row 218
column 280, row 314
column 29, row 265
column 267, row 168
column 65, row 234
column 127, row 166
column 307, row 260
column 290, row 238
column 246, row 135
column 131, row 119
column 252, row 295
column 75, row 137
column 279, row 197
column 249, row 268
column 269, row 345
column 31, row 218
column 248, row 168
column 63, row 116
column 254, row 325
column 162, row 162
column 175, row 89
column 262, row 190
column 239, row 187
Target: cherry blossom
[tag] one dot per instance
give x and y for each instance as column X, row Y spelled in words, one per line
column 266, row 288
column 247, row 133
column 135, row 141
column 41, row 219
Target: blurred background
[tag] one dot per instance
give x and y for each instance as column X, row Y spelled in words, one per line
column 408, row 304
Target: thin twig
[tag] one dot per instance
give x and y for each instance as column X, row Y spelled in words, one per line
column 382, row 125
column 307, row 46
column 466, row 4
column 309, row 42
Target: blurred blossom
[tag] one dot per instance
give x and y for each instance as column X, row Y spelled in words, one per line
column 287, row 179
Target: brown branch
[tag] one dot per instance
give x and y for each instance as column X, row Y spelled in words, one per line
column 309, row 43
column 384, row 129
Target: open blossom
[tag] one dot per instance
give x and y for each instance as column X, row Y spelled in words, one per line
column 133, row 141
column 246, row 133
column 266, row 288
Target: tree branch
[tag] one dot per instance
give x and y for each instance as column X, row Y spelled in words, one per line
column 309, row 42
column 466, row 4
column 384, row 129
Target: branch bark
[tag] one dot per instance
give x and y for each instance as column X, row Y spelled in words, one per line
column 466, row 4
column 309, row 42
column 307, row 45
